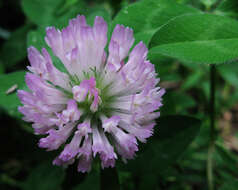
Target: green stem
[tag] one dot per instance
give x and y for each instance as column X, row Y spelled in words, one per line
column 210, row 166
column 212, row 129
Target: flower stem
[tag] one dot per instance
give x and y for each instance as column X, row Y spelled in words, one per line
column 109, row 179
column 212, row 129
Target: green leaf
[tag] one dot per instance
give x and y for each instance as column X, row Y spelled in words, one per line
column 41, row 12
column 144, row 36
column 44, row 177
column 197, row 38
column 68, row 12
column 153, row 14
column 10, row 102
column 54, row 12
column 14, row 49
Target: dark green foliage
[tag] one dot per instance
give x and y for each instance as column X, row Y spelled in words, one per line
column 50, row 177
column 171, row 137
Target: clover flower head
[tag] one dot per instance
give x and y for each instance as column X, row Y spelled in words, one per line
column 102, row 105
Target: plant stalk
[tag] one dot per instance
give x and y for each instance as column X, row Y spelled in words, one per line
column 212, row 129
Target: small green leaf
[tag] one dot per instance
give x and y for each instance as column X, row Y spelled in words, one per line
column 44, row 177
column 197, row 38
column 9, row 101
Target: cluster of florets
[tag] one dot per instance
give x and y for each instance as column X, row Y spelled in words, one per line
column 102, row 105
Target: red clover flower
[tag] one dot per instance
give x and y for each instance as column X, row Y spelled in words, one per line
column 102, row 105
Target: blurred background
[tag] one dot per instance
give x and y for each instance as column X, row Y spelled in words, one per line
column 24, row 166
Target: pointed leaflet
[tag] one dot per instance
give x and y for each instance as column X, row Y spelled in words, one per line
column 197, row 38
